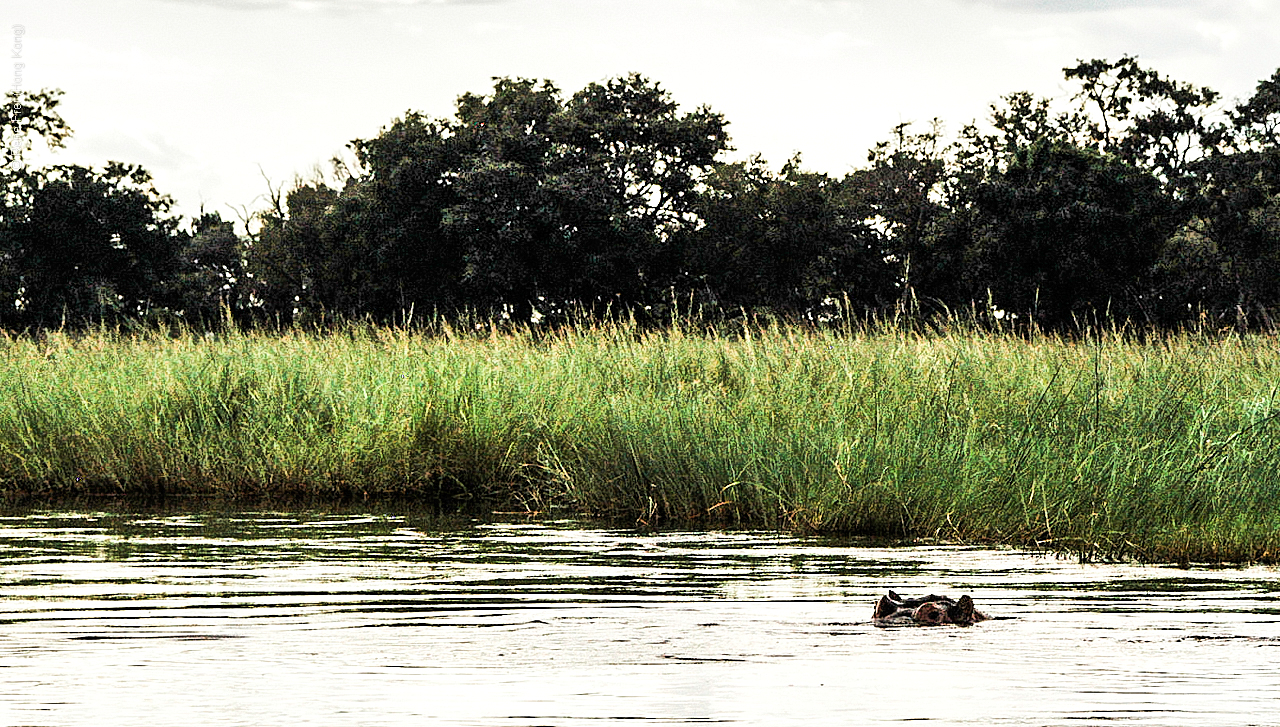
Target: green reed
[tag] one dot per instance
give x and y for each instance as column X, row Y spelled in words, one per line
column 1105, row 447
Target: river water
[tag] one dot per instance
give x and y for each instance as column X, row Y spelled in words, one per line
column 312, row 618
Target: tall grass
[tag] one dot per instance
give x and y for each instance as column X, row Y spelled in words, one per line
column 1161, row 450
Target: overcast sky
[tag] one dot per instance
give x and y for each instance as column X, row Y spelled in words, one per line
column 206, row 93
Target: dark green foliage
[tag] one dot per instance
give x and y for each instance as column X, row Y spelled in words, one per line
column 393, row 213
column 629, row 178
column 210, row 281
column 504, row 221
column 25, row 115
column 791, row 243
column 524, row 204
column 1145, row 118
column 1257, row 120
column 902, row 195
column 1227, row 258
column 298, row 257
column 1066, row 232
column 1138, row 200
column 79, row 245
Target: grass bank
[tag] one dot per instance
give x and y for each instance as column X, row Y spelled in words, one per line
column 1160, row 450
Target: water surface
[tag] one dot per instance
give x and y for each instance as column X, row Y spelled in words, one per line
column 262, row 618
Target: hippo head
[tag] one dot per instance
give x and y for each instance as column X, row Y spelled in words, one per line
column 927, row 611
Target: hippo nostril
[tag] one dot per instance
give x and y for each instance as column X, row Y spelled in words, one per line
column 929, row 613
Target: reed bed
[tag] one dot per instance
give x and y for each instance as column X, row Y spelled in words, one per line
column 1105, row 447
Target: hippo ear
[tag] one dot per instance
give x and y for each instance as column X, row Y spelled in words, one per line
column 963, row 611
column 893, row 596
column 885, row 607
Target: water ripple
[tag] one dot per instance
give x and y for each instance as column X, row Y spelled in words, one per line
column 390, row 618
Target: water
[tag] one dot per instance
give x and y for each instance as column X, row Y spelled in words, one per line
column 355, row 619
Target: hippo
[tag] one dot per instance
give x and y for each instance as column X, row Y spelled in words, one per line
column 928, row 611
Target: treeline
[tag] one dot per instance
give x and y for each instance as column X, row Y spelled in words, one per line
column 1143, row 199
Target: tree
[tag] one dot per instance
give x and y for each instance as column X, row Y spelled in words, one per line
column 1066, row 232
column 1018, row 120
column 1226, row 260
column 629, row 134
column 574, row 201
column 1257, row 121
column 26, row 115
column 77, row 245
column 81, row 245
column 790, row 243
column 522, row 201
column 210, row 278
column 627, row 178
column 1144, row 118
column 1054, row 215
column 295, row 259
column 900, row 194
column 504, row 220
column 396, row 209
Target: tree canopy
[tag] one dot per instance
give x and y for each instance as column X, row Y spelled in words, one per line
column 1141, row 197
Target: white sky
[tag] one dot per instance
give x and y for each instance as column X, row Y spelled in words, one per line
column 204, row 93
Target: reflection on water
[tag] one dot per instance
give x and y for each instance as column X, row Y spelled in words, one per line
column 398, row 619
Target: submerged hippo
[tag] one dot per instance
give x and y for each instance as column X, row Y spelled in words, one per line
column 928, row 611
